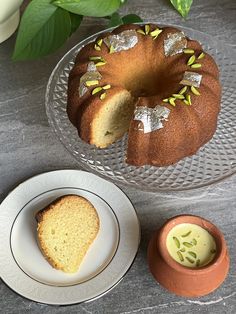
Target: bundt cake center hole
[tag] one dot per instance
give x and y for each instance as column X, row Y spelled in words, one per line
column 147, row 83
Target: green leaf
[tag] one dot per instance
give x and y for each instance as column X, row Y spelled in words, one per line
column 75, row 22
column 131, row 18
column 182, row 6
column 43, row 29
column 115, row 20
column 96, row 8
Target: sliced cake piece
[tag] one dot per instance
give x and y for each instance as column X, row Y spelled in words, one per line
column 66, row 229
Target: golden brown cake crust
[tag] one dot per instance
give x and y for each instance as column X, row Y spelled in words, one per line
column 141, row 68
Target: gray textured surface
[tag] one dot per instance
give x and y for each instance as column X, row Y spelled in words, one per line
column 28, row 146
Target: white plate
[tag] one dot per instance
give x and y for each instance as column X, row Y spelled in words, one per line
column 23, row 267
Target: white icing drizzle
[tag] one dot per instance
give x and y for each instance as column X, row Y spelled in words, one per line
column 151, row 118
column 191, row 79
column 174, row 44
column 91, row 75
column 123, row 41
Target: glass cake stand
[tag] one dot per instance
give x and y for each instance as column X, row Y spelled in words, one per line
column 214, row 161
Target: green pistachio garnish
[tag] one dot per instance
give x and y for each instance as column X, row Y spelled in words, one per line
column 98, row 64
column 172, row 101
column 102, row 96
column 91, row 83
column 156, row 32
column 140, row 31
column 189, row 259
column 183, row 90
column 201, row 56
column 191, row 60
column 178, row 96
column 186, row 102
column 188, row 98
column 177, row 243
column 187, row 244
column 95, row 58
column 99, row 42
column 183, row 249
column 189, row 51
column 111, row 50
column 96, row 47
column 180, row 256
column 186, row 234
column 194, row 241
column 193, row 254
column 165, row 100
column 96, row 90
column 106, row 86
column 147, row 29
column 196, row 65
column 195, row 91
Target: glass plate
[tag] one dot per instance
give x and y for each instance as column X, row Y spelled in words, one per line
column 214, row 161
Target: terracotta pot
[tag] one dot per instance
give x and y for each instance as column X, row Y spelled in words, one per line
column 182, row 280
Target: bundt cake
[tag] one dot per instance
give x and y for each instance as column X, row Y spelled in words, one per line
column 153, row 82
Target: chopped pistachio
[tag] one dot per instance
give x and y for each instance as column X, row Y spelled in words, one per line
column 183, row 90
column 156, row 32
column 189, row 51
column 201, row 56
column 91, row 83
column 195, row 91
column 165, row 100
column 98, row 64
column 147, row 29
column 102, row 96
column 96, row 47
column 172, row 101
column 196, row 65
column 193, row 254
column 189, row 259
column 111, row 50
column 95, row 58
column 106, row 86
column 96, row 90
column 99, row 42
column 194, row 241
column 177, row 243
column 191, row 60
column 186, row 234
column 178, row 96
column 186, row 102
column 180, row 256
column 187, row 244
column 188, row 97
column 140, row 31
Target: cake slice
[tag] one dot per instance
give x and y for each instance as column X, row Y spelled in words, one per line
column 66, row 229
